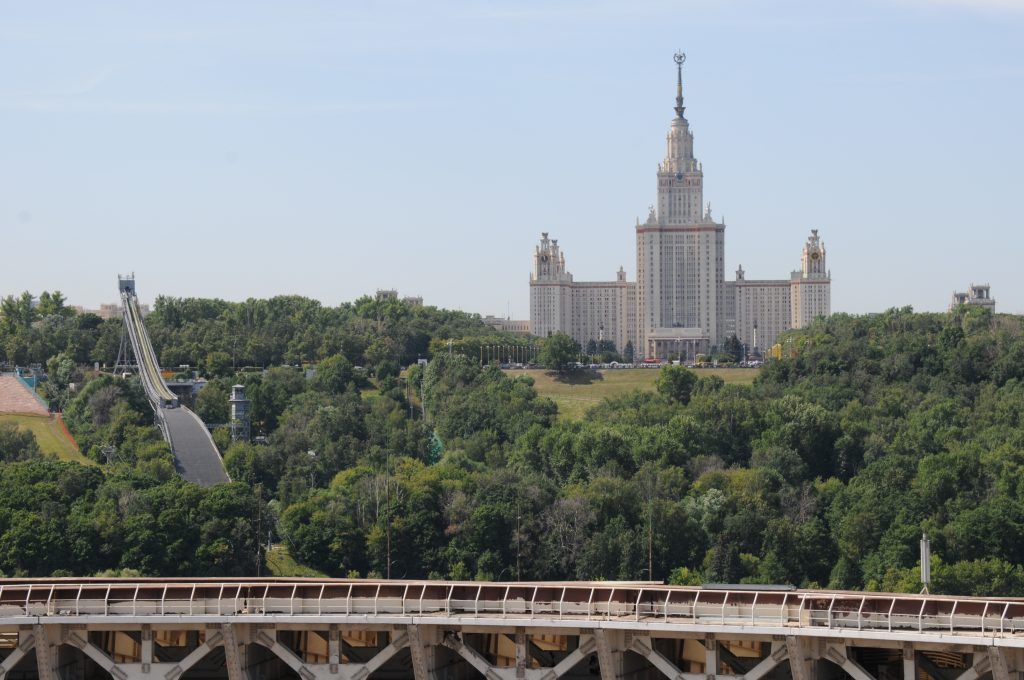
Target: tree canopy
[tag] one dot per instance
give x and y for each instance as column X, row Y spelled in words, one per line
column 867, row 432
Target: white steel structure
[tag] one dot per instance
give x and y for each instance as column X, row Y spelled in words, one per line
column 195, row 455
column 352, row 629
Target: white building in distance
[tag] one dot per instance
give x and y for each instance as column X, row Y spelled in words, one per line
column 977, row 295
column 681, row 303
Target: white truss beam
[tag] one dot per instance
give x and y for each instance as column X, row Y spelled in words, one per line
column 26, row 642
column 587, row 646
column 400, row 641
column 838, row 655
column 982, row 664
column 474, row 658
column 194, row 657
column 96, row 654
column 779, row 653
column 288, row 656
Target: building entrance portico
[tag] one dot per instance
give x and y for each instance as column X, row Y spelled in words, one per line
column 684, row 343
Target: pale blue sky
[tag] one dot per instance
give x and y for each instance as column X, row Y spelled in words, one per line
column 236, row 149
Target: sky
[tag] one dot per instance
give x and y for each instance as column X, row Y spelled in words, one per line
column 329, row 148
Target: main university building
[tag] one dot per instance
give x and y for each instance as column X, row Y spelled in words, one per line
column 681, row 303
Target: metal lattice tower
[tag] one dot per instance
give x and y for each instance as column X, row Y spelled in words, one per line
column 239, row 414
column 126, row 360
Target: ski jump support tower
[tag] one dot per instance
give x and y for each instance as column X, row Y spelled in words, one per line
column 195, row 455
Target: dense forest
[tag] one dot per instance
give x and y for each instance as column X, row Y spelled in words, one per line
column 825, row 472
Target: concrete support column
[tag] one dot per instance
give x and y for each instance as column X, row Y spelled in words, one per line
column 233, row 653
column 609, row 652
column 711, row 655
column 147, row 647
column 909, row 662
column 522, row 653
column 423, row 641
column 610, row 645
column 45, row 658
column 797, row 650
column 334, row 647
column 1000, row 667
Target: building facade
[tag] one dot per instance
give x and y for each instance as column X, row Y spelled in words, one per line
column 508, row 325
column 592, row 310
column 681, row 303
column 977, row 294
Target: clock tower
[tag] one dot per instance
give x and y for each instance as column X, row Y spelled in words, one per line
column 550, row 289
column 810, row 288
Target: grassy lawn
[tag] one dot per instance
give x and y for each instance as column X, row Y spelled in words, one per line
column 281, row 563
column 581, row 391
column 51, row 438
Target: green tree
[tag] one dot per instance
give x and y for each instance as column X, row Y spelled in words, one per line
column 333, row 375
column 559, row 352
column 217, row 364
column 732, row 348
column 17, row 444
column 53, row 304
column 676, row 382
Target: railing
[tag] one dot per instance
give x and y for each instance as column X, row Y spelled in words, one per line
column 569, row 602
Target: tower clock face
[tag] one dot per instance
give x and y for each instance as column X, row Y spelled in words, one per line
column 815, row 255
column 543, row 258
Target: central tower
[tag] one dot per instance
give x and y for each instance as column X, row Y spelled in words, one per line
column 680, row 253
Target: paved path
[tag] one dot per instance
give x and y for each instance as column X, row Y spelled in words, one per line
column 16, row 398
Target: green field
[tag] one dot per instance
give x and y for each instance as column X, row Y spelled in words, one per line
column 281, row 563
column 49, row 435
column 580, row 391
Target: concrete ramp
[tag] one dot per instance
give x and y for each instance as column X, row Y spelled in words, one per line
column 195, row 455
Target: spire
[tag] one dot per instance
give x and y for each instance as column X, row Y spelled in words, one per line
column 679, row 58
